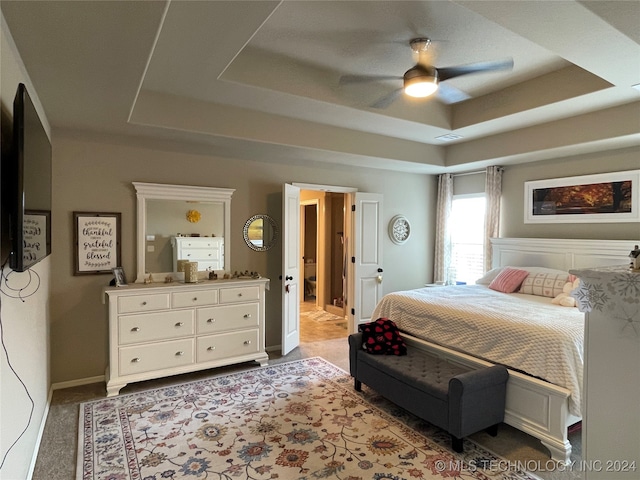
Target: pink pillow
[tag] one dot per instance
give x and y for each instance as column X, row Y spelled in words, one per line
column 508, row 280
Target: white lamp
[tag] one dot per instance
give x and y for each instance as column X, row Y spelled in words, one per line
column 420, row 81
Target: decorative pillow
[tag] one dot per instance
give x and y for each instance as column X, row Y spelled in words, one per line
column 508, row 280
column 488, row 277
column 544, row 284
column 382, row 337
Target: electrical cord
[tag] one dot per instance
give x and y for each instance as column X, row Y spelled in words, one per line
column 3, row 279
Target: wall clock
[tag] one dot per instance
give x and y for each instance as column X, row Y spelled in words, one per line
column 399, row 229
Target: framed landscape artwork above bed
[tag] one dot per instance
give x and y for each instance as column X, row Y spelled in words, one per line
column 608, row 197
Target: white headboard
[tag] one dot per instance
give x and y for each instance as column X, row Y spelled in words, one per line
column 562, row 254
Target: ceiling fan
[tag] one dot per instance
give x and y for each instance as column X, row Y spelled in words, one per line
column 423, row 79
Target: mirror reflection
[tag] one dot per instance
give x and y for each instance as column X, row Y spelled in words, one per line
column 171, row 219
column 260, row 232
column 181, row 222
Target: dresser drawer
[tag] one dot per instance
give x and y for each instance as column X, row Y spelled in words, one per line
column 215, row 347
column 198, row 243
column 228, row 317
column 157, row 356
column 147, row 327
column 199, row 254
column 194, row 298
column 239, row 294
column 143, row 303
column 209, row 265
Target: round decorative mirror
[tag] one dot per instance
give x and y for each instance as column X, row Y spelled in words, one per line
column 260, row 232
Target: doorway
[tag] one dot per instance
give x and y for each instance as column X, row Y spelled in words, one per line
column 322, row 242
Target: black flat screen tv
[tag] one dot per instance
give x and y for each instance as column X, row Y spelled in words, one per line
column 26, row 186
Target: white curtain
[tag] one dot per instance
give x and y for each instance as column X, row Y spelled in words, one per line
column 493, row 191
column 442, row 258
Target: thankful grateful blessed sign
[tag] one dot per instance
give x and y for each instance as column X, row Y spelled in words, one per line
column 97, row 243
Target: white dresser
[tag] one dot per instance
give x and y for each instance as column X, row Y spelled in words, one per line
column 158, row 330
column 207, row 251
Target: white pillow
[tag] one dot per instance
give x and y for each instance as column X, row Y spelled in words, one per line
column 488, row 277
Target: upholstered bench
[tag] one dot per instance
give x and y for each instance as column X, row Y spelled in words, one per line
column 459, row 400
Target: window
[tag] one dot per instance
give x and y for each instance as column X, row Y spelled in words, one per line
column 467, row 238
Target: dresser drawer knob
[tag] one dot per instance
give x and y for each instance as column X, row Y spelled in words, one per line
column 135, row 360
column 247, row 315
column 179, row 353
column 144, row 303
column 247, row 342
column 195, row 299
column 179, row 324
column 240, row 294
column 211, row 320
column 135, row 329
column 211, row 349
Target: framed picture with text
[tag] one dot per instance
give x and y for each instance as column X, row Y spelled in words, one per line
column 96, row 238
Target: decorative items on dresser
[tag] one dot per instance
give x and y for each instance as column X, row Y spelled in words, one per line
column 207, row 251
column 156, row 330
column 611, row 410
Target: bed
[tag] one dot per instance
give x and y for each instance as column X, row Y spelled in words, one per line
column 541, row 343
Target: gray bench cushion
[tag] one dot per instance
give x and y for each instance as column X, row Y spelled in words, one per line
column 425, row 372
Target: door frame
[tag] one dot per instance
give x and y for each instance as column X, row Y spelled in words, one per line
column 347, row 191
column 305, row 203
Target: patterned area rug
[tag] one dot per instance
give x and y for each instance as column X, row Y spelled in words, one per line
column 296, row 420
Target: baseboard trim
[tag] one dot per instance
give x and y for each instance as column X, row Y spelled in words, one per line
column 274, row 348
column 78, row 382
column 36, row 447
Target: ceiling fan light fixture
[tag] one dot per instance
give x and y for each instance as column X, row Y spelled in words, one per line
column 420, row 81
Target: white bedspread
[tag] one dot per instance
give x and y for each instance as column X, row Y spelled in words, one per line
column 524, row 332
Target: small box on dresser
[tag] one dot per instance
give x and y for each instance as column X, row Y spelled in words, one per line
column 157, row 330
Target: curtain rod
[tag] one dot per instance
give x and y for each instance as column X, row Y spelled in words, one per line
column 474, row 172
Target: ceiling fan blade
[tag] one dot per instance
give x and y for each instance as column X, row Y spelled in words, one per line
column 388, row 99
column 451, row 72
column 450, row 94
column 349, row 79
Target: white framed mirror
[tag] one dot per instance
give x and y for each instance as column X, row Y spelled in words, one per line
column 166, row 212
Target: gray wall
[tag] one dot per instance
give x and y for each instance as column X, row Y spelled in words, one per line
column 514, row 176
column 25, row 324
column 94, row 174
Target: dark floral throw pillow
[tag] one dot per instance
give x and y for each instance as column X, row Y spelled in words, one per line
column 382, row 337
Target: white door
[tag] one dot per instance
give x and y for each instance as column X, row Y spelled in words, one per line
column 366, row 257
column 290, row 268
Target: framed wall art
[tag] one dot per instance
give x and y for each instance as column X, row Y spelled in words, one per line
column 36, row 235
column 97, row 242
column 607, row 197
column 399, row 229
